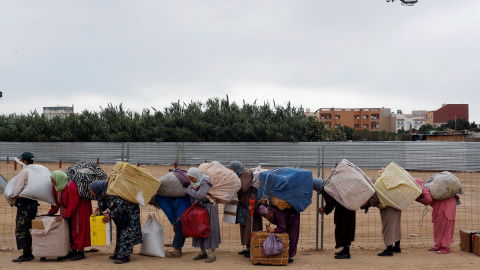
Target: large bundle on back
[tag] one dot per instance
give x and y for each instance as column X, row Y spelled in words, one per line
column 225, row 182
column 349, row 186
column 294, row 186
column 132, row 183
column 39, row 186
column 83, row 174
column 173, row 184
column 3, row 183
column 443, row 185
column 395, row 187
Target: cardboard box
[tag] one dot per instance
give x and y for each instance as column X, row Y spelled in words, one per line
column 230, row 213
column 37, row 224
column 476, row 244
column 466, row 239
column 259, row 257
column 100, row 233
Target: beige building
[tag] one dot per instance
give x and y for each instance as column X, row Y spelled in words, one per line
column 61, row 111
column 374, row 119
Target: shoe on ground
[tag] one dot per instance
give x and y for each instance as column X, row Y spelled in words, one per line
column 432, row 249
column 21, row 258
column 210, row 259
column 443, row 251
column 200, row 257
column 397, row 250
column 339, row 253
column 342, row 256
column 113, row 257
column 290, row 260
column 78, row 257
column 243, row 252
column 121, row 260
column 385, row 253
column 173, row 254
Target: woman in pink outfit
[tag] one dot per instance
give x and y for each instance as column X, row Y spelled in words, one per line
column 443, row 218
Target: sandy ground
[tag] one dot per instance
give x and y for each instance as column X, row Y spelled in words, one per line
column 416, row 231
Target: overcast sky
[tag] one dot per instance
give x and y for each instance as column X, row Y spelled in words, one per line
column 315, row 54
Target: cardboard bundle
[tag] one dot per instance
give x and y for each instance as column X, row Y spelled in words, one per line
column 396, row 188
column 349, row 186
column 132, row 183
column 466, row 239
column 100, row 233
column 443, row 185
column 258, row 256
column 53, row 240
column 225, row 182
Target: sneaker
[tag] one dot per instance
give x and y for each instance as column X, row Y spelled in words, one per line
column 385, row 253
column 342, row 256
column 397, row 250
column 290, row 260
column 443, row 251
column 432, row 249
column 200, row 257
column 121, row 260
column 243, row 252
column 23, row 259
column 210, row 259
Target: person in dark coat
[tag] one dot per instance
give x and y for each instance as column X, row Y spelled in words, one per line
column 246, row 194
column 344, row 220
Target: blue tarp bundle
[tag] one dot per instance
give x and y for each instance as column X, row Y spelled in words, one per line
column 291, row 185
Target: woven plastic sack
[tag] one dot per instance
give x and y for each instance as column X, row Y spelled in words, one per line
column 132, row 183
column 443, row 185
column 256, row 175
column 349, row 185
column 225, row 182
column 152, row 234
column 83, row 174
column 3, row 184
column 195, row 222
column 39, row 186
column 53, row 240
column 396, row 188
column 171, row 186
column 273, row 245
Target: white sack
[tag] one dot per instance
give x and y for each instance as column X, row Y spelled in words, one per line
column 152, row 234
column 443, row 185
column 53, row 241
column 3, row 183
column 349, row 186
column 171, row 186
column 39, row 186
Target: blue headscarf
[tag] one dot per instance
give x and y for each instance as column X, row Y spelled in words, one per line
column 99, row 188
column 237, row 167
column 318, row 183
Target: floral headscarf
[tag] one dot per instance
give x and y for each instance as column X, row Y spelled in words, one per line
column 99, row 188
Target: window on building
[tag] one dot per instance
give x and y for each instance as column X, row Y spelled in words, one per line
column 365, row 126
column 356, row 125
column 365, row 117
column 337, row 116
column 357, row 116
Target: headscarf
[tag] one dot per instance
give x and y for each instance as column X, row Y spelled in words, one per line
column 318, row 183
column 99, row 188
column 237, row 167
column 195, row 172
column 60, row 179
column 266, row 212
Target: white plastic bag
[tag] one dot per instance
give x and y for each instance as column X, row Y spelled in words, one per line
column 39, row 186
column 152, row 234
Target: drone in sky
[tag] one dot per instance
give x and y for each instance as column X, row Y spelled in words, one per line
column 406, row 2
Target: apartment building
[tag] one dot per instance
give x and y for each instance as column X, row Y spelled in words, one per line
column 61, row 111
column 374, row 119
column 414, row 120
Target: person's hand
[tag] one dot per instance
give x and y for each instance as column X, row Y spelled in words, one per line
column 196, row 187
column 250, row 208
column 269, row 229
column 59, row 218
column 106, row 218
column 321, row 210
column 194, row 203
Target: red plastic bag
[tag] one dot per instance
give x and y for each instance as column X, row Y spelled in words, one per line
column 195, row 222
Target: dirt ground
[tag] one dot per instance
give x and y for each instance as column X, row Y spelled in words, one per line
column 416, row 232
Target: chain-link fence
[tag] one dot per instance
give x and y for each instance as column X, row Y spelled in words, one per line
column 421, row 160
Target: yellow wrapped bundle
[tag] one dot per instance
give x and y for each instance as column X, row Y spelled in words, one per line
column 132, row 183
column 100, row 233
column 396, row 188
